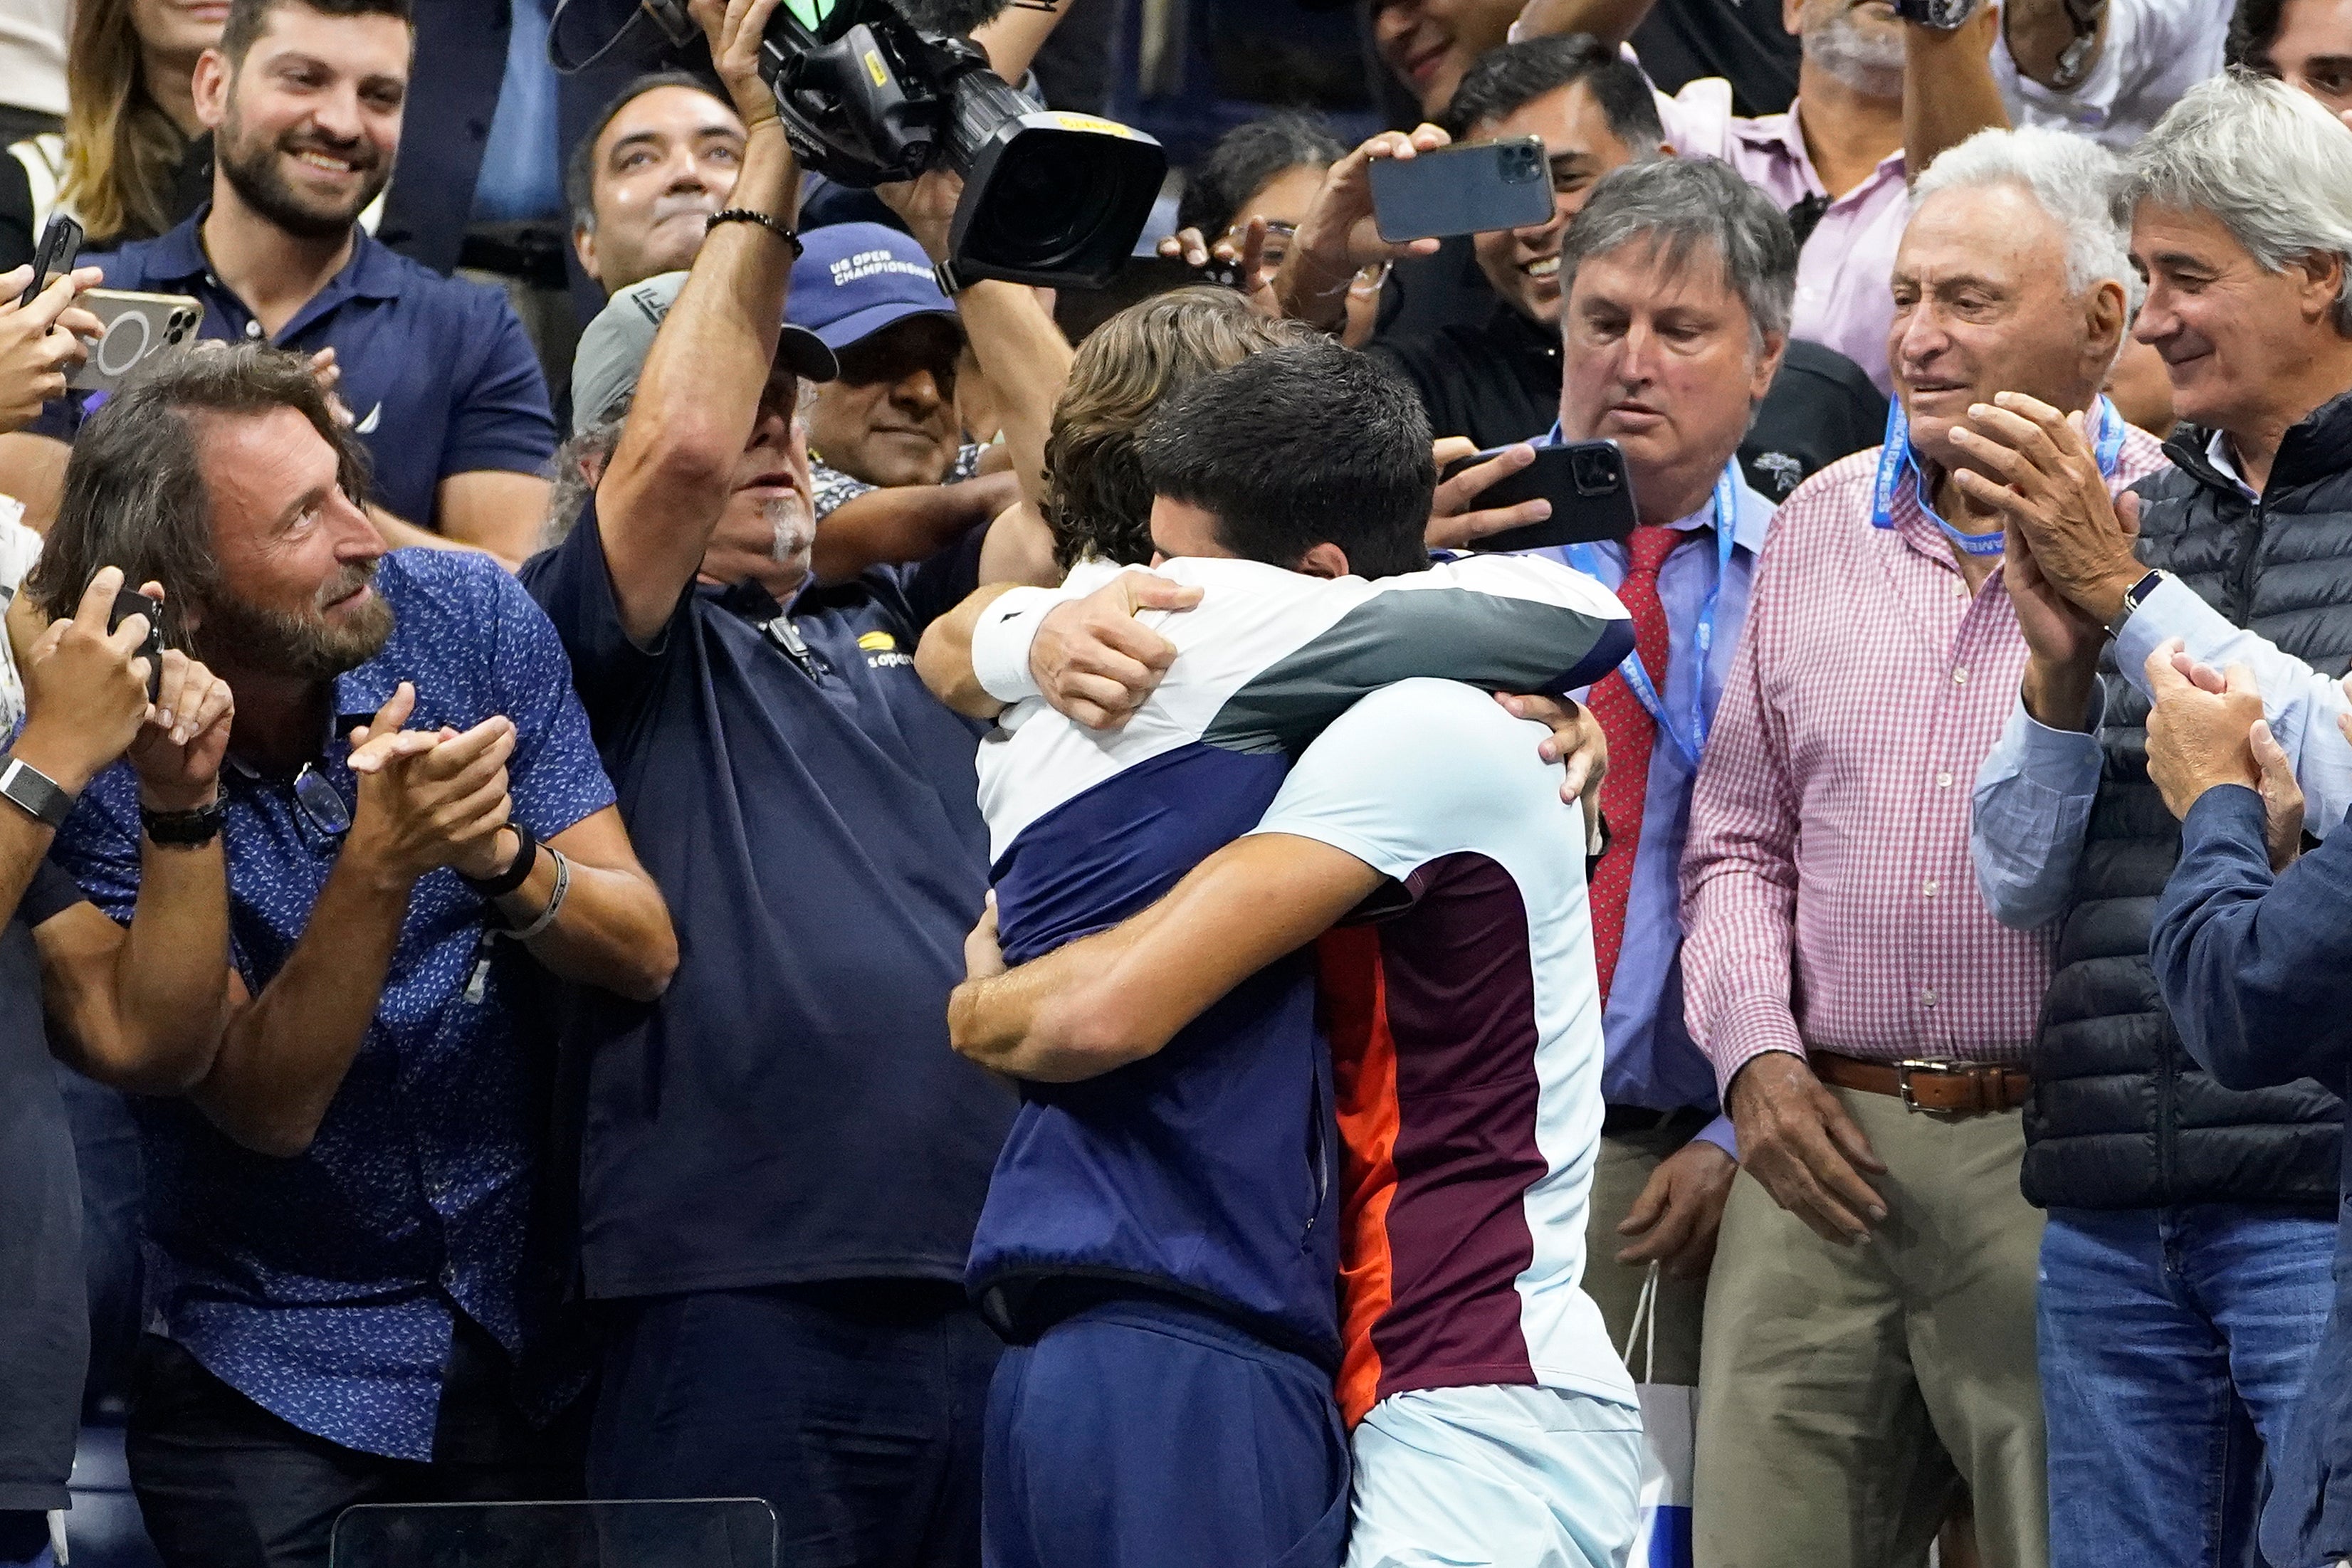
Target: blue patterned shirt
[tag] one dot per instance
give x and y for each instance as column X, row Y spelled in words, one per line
column 322, row 1286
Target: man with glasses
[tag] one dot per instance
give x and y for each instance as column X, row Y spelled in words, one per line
column 343, row 1294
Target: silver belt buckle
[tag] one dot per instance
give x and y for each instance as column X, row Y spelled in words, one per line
column 1941, row 1069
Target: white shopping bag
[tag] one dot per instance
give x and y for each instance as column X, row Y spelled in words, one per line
column 1669, row 1417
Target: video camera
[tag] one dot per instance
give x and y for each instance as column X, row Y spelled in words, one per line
column 871, row 94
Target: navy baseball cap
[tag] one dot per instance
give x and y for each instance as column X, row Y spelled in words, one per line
column 854, row 279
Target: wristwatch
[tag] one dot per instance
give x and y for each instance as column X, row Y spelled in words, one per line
column 190, row 829
column 2134, row 597
column 42, row 797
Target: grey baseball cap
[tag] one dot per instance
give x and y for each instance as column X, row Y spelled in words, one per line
column 614, row 346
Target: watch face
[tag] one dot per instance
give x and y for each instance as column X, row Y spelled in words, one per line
column 1942, row 14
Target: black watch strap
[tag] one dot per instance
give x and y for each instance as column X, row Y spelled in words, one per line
column 517, row 873
column 185, row 829
column 2134, row 597
column 40, row 796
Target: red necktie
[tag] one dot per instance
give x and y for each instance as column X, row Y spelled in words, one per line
column 1632, row 732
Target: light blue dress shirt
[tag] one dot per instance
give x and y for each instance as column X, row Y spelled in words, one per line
column 1651, row 1061
column 2034, row 792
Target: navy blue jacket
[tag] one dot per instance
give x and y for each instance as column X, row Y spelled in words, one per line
column 2257, row 973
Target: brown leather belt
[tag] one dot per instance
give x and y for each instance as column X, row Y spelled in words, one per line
column 1939, row 1088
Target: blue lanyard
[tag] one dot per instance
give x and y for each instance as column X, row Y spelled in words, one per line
column 1895, row 459
column 1637, row 676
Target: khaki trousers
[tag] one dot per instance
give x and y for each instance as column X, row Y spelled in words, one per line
column 1619, row 1174
column 1840, row 1388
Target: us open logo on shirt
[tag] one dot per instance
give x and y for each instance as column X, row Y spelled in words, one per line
column 882, row 652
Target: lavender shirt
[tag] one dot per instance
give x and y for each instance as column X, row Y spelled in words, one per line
column 1844, row 298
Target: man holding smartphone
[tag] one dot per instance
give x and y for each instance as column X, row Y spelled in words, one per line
column 137, row 1005
column 1496, row 379
column 1667, row 362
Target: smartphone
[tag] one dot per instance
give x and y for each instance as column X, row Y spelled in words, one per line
column 127, row 604
column 1471, row 189
column 136, row 325
column 1591, row 495
column 60, row 246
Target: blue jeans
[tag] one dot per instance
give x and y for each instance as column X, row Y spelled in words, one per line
column 2174, row 1344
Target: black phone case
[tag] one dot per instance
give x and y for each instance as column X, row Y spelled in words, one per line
column 59, row 249
column 1577, row 517
column 127, row 604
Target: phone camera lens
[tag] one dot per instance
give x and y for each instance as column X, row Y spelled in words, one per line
column 1592, row 473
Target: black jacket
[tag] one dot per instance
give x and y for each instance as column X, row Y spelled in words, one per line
column 2121, row 1117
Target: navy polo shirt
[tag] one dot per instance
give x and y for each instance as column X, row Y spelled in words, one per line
column 790, row 1111
column 437, row 372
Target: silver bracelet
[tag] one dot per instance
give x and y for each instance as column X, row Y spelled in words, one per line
column 554, row 900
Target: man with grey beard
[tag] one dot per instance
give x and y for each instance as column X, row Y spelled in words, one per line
column 783, row 1161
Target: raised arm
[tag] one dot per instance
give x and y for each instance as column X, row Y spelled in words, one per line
column 2253, row 970
column 1013, row 338
column 1948, row 90
column 493, row 510
column 1611, row 21
column 1101, row 1003
column 904, row 522
column 1012, row 37
column 2050, row 46
column 699, row 392
column 1339, row 233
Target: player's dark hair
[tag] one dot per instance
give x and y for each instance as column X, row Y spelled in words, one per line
column 1298, row 446
column 2254, row 28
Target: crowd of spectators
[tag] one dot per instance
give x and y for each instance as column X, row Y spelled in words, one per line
column 660, row 847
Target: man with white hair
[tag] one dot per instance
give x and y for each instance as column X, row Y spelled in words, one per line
column 2186, row 1274
column 1841, row 975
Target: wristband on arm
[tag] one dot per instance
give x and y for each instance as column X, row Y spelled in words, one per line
column 1003, row 637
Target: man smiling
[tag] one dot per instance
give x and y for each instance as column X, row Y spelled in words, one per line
column 1840, row 973
column 305, row 99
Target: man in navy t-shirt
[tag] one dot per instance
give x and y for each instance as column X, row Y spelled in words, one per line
column 440, row 380
column 783, row 1161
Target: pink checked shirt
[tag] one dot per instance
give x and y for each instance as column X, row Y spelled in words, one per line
column 1826, row 885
